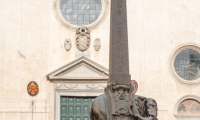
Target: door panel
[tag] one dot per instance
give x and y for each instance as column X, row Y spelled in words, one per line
column 75, row 108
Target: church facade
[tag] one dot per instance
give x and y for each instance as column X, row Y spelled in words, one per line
column 54, row 56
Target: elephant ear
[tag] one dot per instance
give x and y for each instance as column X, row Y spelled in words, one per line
column 152, row 111
column 140, row 103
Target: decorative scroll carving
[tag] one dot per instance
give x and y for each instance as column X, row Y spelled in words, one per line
column 80, row 86
column 66, row 86
column 82, row 38
column 93, row 86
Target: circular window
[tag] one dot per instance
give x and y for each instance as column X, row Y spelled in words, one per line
column 80, row 12
column 186, row 64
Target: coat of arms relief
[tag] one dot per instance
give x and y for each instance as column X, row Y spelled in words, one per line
column 82, row 38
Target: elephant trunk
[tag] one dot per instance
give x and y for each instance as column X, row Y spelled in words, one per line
column 145, row 118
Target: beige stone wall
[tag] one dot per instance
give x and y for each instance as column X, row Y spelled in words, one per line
column 156, row 28
column 31, row 46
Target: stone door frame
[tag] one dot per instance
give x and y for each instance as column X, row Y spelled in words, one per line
column 77, row 90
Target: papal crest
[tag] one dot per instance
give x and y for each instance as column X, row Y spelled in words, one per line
column 82, row 38
column 32, row 88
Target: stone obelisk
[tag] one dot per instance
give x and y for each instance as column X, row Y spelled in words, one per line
column 119, row 90
column 119, row 60
column 118, row 102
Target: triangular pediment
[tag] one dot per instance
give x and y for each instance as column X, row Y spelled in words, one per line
column 81, row 69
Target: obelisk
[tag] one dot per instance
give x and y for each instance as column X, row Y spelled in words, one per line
column 119, row 102
column 119, row 60
column 119, row 90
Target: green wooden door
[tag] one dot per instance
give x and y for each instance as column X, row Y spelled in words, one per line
column 75, row 108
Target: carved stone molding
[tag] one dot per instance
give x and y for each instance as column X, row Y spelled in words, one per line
column 66, row 86
column 95, row 86
column 81, row 69
column 81, row 77
column 79, row 86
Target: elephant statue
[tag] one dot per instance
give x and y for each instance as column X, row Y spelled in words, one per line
column 142, row 108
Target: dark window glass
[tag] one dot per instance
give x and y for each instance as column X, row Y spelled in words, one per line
column 187, row 64
column 80, row 12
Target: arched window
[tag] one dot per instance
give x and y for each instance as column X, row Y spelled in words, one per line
column 187, row 107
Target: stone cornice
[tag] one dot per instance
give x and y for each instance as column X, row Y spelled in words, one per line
column 98, row 70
